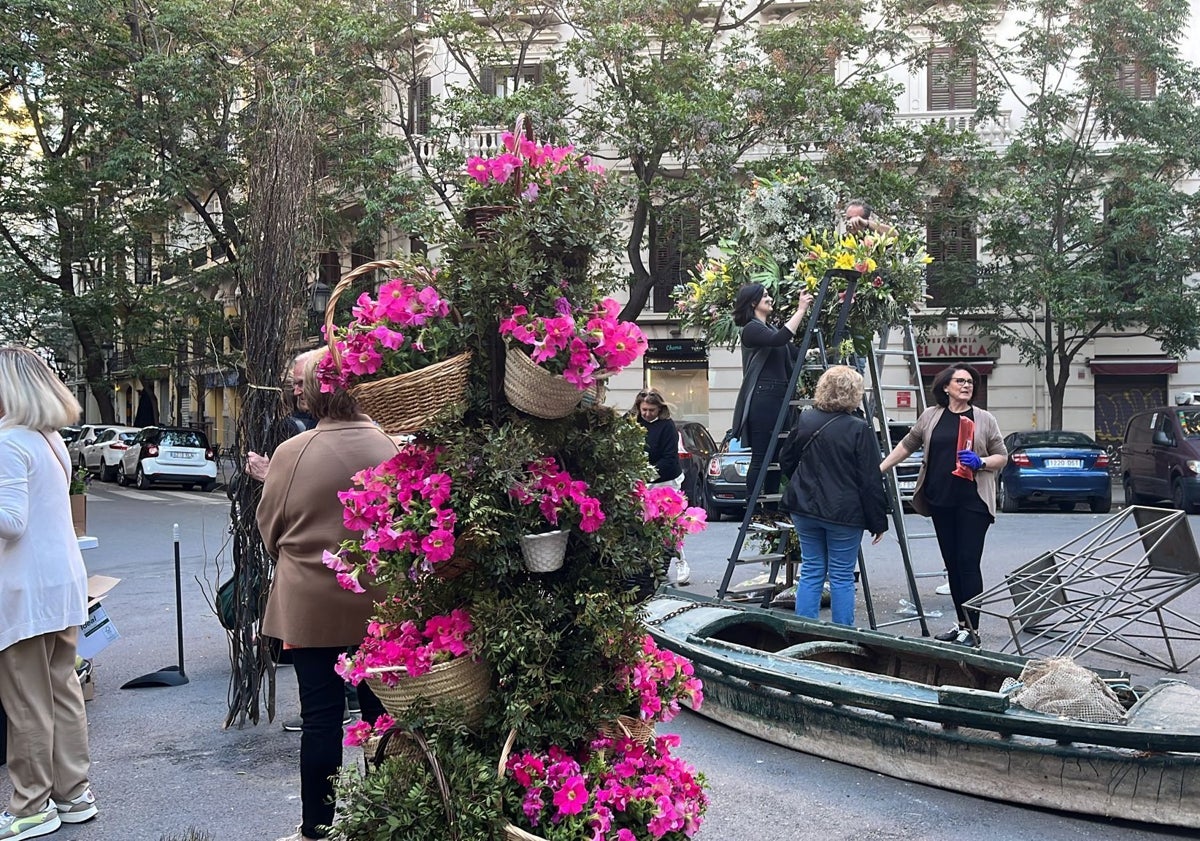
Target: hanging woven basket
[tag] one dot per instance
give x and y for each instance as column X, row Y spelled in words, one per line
column 534, row 390
column 544, row 552
column 511, row 832
column 462, row 680
column 481, row 219
column 627, row 726
column 405, row 403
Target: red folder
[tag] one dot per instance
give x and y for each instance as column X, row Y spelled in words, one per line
column 966, row 441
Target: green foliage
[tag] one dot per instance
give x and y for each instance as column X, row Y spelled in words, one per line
column 402, row 798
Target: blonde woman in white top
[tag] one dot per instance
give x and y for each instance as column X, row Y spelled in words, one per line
column 43, row 601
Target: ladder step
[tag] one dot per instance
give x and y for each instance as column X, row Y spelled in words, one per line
column 760, row 559
column 772, row 528
column 894, row 352
column 769, row 498
column 890, row 387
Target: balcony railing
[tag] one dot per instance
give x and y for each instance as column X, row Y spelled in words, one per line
column 994, row 130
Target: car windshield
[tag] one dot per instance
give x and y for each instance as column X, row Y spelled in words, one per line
column 182, row 438
column 128, row 437
column 735, row 446
column 1054, row 438
column 1189, row 419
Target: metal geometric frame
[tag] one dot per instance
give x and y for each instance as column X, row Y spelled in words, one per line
column 1108, row 590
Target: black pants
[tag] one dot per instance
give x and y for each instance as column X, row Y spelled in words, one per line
column 960, row 534
column 322, row 704
column 765, row 405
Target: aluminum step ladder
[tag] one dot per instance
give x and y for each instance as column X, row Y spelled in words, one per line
column 783, row 556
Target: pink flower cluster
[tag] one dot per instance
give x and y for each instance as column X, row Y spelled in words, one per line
column 404, row 321
column 537, row 164
column 659, row 680
column 388, row 647
column 358, row 733
column 555, row 493
column 624, row 791
column 601, row 347
column 402, row 509
column 668, row 507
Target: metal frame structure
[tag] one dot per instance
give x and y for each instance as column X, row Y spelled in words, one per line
column 1109, row 590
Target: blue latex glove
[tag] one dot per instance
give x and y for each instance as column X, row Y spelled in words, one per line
column 969, row 460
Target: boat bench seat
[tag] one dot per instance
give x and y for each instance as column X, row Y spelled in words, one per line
column 813, row 648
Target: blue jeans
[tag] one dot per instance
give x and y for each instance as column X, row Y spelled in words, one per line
column 828, row 550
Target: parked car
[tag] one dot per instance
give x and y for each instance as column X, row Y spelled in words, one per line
column 103, row 455
column 725, row 481
column 1054, row 466
column 170, row 454
column 907, row 470
column 88, row 433
column 1160, row 457
column 696, row 447
column 69, row 433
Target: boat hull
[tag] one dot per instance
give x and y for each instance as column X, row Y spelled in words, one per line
column 1113, row 782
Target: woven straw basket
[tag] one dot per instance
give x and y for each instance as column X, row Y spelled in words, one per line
column 400, row 744
column 536, row 391
column 463, row 680
column 404, row 403
column 631, row 727
column 544, row 552
column 512, row 833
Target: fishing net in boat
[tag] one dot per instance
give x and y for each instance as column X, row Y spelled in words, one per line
column 1060, row 686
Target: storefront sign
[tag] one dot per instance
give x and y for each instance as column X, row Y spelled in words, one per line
column 903, row 399
column 955, row 347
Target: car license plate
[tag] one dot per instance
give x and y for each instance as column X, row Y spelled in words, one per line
column 181, row 454
column 1064, row 462
column 741, row 467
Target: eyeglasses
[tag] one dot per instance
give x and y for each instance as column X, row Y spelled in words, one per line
column 963, row 381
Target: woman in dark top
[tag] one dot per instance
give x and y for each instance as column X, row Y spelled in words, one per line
column 768, row 357
column 962, row 508
column 834, row 493
column 662, row 438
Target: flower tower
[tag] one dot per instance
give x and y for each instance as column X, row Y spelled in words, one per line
column 514, row 535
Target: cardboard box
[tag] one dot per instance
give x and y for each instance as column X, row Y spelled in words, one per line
column 98, row 632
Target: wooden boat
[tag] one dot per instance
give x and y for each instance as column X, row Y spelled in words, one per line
column 932, row 713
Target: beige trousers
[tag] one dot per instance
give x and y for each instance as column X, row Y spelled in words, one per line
column 47, row 725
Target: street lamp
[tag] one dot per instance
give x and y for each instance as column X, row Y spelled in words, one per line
column 317, row 306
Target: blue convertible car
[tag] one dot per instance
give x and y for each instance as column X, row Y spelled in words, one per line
column 1057, row 467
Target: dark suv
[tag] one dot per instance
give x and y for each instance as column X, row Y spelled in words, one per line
column 172, row 454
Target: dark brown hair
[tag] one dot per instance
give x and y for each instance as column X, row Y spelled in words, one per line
column 942, row 381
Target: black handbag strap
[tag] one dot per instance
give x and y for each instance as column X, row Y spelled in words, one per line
column 813, row 437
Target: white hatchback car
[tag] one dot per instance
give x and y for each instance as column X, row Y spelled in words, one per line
column 169, row 454
column 103, row 455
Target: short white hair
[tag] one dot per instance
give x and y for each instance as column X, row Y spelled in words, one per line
column 31, row 395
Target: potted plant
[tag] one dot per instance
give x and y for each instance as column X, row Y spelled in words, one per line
column 617, row 789
column 553, row 359
column 547, row 495
column 406, row 660
column 77, row 489
column 403, row 354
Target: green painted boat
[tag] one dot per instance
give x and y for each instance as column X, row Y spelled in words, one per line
column 932, row 713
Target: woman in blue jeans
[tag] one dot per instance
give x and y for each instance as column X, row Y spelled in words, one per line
column 834, row 493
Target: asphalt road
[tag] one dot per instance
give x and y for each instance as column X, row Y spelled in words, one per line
column 162, row 762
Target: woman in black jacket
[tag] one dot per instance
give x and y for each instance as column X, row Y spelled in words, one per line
column 662, row 437
column 768, row 357
column 834, row 493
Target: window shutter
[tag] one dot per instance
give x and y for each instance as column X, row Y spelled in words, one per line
column 946, row 92
column 420, row 95
column 487, row 80
column 677, row 233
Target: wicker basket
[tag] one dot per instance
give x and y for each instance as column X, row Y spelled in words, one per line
column 534, row 390
column 544, row 552
column 512, row 833
column 482, row 219
column 396, row 743
column 627, row 726
column 463, row 680
column 404, row 403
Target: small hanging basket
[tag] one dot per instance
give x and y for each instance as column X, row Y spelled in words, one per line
column 544, row 552
column 396, row 743
column 628, row 726
column 481, row 219
column 463, row 680
column 534, row 390
column 511, row 832
column 405, row 403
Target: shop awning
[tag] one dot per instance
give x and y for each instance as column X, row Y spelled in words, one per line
column 1133, row 365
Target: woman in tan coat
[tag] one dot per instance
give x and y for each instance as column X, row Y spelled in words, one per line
column 300, row 516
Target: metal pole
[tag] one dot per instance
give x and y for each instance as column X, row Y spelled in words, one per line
column 178, row 600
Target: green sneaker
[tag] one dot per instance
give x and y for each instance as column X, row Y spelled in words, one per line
column 36, row 825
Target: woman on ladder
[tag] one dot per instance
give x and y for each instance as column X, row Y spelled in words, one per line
column 768, row 358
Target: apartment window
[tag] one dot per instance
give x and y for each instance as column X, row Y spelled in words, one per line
column 675, row 233
column 420, row 105
column 952, row 83
column 505, row 81
column 950, row 241
column 142, row 264
column 1137, row 80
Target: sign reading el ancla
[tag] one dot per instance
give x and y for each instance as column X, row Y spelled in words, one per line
column 960, row 347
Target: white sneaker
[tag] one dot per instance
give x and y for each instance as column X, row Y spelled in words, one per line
column 943, row 589
column 82, row 808
column 683, row 572
column 42, row 822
